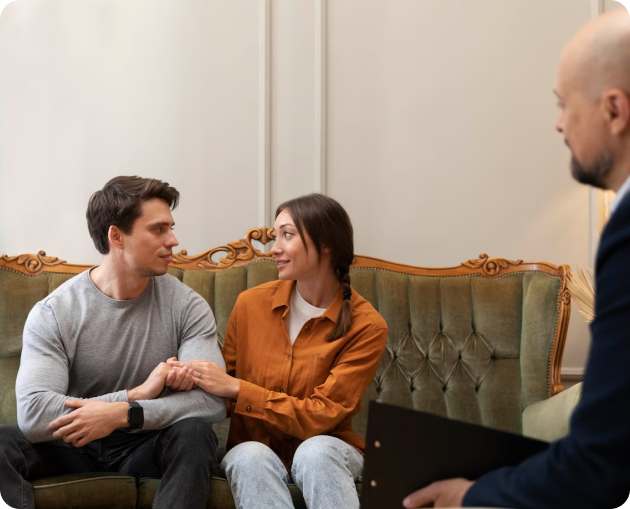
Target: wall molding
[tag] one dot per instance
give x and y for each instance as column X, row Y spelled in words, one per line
column 597, row 8
column 264, row 115
column 321, row 79
column 572, row 374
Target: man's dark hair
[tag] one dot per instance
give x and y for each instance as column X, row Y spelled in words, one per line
column 119, row 204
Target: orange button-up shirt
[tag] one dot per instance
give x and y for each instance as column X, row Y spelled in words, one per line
column 290, row 393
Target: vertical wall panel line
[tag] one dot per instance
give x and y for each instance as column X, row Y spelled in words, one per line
column 264, row 115
column 597, row 8
column 321, row 37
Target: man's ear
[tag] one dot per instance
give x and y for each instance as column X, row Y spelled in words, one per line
column 114, row 236
column 616, row 105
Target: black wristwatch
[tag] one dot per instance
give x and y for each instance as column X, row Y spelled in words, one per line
column 135, row 415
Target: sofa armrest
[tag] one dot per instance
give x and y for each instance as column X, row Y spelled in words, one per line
column 548, row 420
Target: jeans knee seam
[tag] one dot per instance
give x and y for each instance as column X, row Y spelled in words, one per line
column 164, row 461
column 25, row 467
column 348, row 464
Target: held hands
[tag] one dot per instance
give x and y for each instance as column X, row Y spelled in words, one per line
column 211, row 378
column 179, row 379
column 448, row 493
column 164, row 375
column 90, row 421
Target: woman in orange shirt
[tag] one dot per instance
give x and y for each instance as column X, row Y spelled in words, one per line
column 300, row 352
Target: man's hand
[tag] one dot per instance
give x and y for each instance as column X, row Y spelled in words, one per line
column 211, row 378
column 90, row 421
column 179, row 379
column 442, row 493
column 162, row 376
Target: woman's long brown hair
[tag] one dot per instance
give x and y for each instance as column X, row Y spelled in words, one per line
column 328, row 225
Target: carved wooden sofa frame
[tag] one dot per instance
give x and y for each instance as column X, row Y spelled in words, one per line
column 243, row 252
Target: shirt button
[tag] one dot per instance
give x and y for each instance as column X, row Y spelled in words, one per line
column 282, row 391
column 249, row 409
column 345, row 405
column 289, row 357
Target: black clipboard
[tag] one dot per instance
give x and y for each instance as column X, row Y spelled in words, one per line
column 407, row 450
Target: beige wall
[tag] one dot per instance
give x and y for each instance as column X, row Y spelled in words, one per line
column 98, row 88
column 441, row 137
column 432, row 122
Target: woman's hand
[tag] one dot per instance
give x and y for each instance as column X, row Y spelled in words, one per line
column 211, row 378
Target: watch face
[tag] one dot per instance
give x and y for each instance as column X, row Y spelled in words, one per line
column 135, row 417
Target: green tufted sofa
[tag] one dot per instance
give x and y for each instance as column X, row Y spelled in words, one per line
column 481, row 342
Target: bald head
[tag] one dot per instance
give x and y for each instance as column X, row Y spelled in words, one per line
column 593, row 90
column 598, row 58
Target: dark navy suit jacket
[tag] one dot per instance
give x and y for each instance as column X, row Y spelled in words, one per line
column 590, row 468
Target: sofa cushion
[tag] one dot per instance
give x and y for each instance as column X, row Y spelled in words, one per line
column 95, row 490
column 550, row 419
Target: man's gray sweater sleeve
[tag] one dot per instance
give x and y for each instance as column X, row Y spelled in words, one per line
column 199, row 341
column 49, row 352
column 42, row 381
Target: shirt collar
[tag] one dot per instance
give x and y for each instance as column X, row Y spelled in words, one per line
column 623, row 191
column 283, row 298
column 283, row 294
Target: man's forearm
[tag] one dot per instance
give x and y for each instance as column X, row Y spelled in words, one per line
column 164, row 411
column 39, row 408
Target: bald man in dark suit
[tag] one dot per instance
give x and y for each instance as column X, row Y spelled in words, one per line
column 590, row 468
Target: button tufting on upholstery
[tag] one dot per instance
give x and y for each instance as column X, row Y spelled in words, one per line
column 444, row 388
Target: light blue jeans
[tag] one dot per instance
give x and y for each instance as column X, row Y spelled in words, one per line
column 324, row 468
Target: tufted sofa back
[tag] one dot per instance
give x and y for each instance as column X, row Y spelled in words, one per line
column 466, row 347
column 478, row 342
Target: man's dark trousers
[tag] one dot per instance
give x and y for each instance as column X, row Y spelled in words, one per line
column 183, row 455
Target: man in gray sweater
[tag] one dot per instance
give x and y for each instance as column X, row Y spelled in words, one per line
column 94, row 391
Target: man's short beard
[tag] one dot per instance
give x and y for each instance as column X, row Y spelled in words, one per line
column 149, row 272
column 594, row 174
